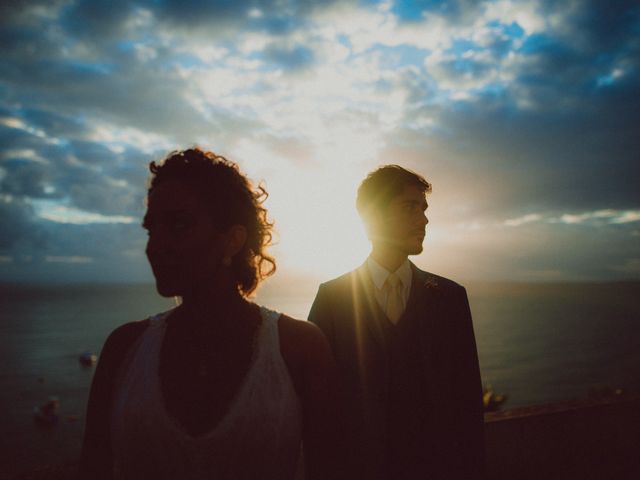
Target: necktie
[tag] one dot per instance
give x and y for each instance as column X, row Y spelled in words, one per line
column 395, row 305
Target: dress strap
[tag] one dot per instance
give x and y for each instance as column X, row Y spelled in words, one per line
column 270, row 319
column 157, row 319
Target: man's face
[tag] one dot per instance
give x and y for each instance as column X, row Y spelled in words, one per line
column 402, row 224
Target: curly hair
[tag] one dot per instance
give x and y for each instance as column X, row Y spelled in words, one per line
column 230, row 199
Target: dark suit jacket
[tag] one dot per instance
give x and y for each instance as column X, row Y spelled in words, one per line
column 449, row 443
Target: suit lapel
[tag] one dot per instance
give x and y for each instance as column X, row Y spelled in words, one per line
column 425, row 292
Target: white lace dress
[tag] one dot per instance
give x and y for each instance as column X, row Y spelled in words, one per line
column 258, row 438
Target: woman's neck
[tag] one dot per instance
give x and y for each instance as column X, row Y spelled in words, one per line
column 213, row 307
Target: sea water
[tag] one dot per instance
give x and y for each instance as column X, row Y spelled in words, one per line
column 536, row 342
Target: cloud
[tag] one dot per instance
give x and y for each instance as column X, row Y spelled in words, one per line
column 456, row 11
column 610, row 216
column 72, row 259
column 594, row 26
column 25, row 179
column 291, row 58
column 596, row 218
column 531, row 251
column 631, row 266
column 85, row 253
column 522, row 113
column 62, row 214
column 20, row 229
column 516, row 222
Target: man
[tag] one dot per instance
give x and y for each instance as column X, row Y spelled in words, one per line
column 405, row 348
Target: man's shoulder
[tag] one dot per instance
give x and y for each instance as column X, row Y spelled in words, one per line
column 343, row 282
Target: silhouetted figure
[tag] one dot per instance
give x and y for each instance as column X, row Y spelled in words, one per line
column 405, row 348
column 217, row 387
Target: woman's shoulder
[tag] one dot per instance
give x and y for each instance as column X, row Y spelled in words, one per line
column 299, row 330
column 126, row 332
column 121, row 339
column 129, row 332
column 303, row 345
column 292, row 331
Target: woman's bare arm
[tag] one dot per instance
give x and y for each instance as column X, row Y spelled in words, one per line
column 310, row 362
column 96, row 460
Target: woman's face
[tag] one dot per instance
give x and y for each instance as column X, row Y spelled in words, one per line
column 184, row 248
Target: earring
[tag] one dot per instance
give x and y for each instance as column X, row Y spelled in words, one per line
column 226, row 261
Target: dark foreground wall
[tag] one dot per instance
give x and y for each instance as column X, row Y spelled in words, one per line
column 596, row 440
column 585, row 440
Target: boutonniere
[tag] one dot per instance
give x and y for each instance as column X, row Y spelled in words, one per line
column 431, row 282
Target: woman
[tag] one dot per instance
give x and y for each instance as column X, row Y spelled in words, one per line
column 217, row 387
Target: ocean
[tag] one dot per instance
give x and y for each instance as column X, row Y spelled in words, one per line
column 537, row 343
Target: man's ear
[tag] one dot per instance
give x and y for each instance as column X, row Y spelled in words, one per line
column 236, row 239
column 377, row 226
column 374, row 225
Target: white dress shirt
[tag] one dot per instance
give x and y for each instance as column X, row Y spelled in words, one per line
column 379, row 276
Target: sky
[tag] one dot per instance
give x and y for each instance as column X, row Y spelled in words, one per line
column 522, row 114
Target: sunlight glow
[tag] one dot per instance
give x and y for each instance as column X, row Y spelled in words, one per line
column 321, row 232
column 317, row 227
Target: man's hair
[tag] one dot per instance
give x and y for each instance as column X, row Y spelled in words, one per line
column 383, row 185
column 230, row 199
